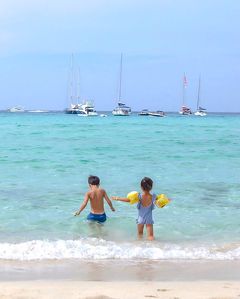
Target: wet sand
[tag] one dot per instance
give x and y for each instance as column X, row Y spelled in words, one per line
column 120, row 280
column 113, row 270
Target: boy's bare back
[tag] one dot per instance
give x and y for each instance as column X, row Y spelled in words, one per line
column 96, row 197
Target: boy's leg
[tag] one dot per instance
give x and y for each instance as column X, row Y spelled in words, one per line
column 150, row 232
column 140, row 230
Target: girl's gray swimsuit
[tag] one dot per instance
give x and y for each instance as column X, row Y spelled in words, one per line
column 145, row 213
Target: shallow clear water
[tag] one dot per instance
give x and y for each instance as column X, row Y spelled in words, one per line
column 45, row 160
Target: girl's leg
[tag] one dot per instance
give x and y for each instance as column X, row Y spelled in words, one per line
column 150, row 232
column 140, row 230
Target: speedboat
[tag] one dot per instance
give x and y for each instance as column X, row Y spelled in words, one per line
column 16, row 109
column 157, row 114
column 144, row 112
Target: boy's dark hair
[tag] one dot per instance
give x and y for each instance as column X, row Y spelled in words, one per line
column 93, row 180
column 146, row 184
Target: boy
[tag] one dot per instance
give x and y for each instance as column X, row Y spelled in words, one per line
column 96, row 196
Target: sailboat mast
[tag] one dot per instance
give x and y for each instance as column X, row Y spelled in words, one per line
column 71, row 80
column 120, row 80
column 199, row 86
column 78, row 86
column 184, row 87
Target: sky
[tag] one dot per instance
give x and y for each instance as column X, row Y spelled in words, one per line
column 160, row 41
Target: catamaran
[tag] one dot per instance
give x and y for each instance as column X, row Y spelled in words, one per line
column 121, row 109
column 185, row 110
column 200, row 111
column 85, row 108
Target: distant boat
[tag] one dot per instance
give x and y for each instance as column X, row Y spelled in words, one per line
column 157, row 114
column 16, row 109
column 185, row 110
column 200, row 110
column 121, row 109
column 85, row 108
column 38, row 111
column 144, row 112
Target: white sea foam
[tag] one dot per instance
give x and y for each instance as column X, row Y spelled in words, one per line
column 98, row 249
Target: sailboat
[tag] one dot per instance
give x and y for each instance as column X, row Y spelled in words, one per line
column 200, row 111
column 121, row 109
column 85, row 108
column 185, row 110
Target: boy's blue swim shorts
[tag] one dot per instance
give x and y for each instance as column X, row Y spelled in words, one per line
column 97, row 217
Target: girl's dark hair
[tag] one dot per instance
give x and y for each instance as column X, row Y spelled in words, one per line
column 146, row 184
column 93, row 180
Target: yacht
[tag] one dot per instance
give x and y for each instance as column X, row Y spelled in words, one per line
column 74, row 109
column 87, row 109
column 16, row 109
column 121, row 109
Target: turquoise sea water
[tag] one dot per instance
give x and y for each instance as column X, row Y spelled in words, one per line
column 45, row 160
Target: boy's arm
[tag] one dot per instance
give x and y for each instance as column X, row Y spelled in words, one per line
column 117, row 198
column 83, row 206
column 108, row 201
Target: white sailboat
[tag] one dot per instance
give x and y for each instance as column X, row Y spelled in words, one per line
column 185, row 110
column 200, row 111
column 121, row 109
column 86, row 108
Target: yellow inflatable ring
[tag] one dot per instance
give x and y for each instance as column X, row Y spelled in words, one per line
column 133, row 197
column 162, row 200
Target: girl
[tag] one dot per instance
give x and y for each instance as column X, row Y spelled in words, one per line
column 145, row 207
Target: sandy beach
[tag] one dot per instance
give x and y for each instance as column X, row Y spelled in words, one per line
column 119, row 290
column 119, row 280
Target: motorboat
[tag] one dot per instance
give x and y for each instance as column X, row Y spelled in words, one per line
column 16, row 109
column 87, row 109
column 157, row 114
column 144, row 112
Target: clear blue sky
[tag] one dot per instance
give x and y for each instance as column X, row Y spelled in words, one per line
column 160, row 39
